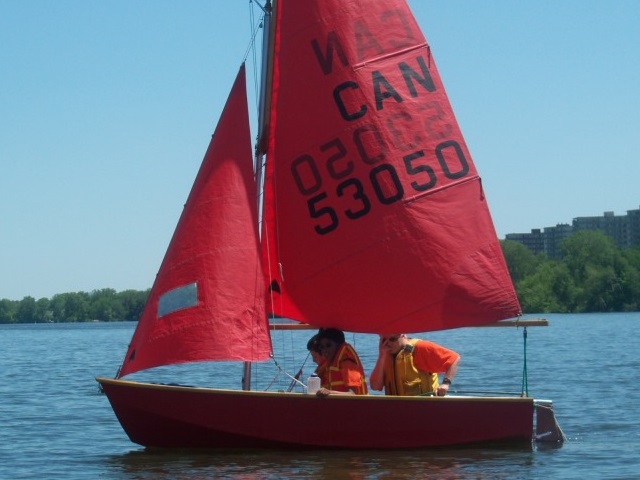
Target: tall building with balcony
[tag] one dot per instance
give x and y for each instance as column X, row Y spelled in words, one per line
column 534, row 241
column 553, row 237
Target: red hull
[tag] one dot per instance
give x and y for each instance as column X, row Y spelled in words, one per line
column 166, row 416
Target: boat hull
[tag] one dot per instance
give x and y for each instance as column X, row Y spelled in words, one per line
column 169, row 416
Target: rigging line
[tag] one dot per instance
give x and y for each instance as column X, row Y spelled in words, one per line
column 284, row 372
column 299, row 374
column 296, row 377
column 254, row 28
column 525, row 382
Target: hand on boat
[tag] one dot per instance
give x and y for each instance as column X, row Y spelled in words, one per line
column 443, row 388
column 325, row 392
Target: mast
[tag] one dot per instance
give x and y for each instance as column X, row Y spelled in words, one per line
column 264, row 107
column 265, row 77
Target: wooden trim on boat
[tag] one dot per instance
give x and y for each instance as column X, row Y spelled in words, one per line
column 535, row 322
column 291, row 326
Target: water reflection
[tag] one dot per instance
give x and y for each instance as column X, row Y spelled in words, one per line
column 455, row 464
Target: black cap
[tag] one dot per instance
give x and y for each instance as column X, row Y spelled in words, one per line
column 332, row 334
column 312, row 344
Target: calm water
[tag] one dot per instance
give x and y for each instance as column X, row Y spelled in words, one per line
column 54, row 424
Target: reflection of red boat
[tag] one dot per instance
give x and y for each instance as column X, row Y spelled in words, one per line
column 373, row 220
column 208, row 418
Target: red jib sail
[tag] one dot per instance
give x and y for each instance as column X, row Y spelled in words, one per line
column 375, row 219
column 207, row 302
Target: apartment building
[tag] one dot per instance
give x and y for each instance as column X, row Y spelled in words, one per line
column 623, row 229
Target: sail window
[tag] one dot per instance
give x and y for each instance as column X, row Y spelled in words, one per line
column 178, row 299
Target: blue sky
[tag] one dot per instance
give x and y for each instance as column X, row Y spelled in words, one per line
column 106, row 109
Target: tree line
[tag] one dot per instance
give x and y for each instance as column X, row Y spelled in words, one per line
column 105, row 305
column 594, row 275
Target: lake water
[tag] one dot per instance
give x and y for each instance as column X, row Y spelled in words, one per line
column 54, row 423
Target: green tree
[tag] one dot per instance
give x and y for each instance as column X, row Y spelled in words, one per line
column 586, row 249
column 26, row 310
column 631, row 280
column 76, row 307
column 521, row 261
column 106, row 306
column 593, row 276
column 133, row 302
column 57, row 307
column 598, row 266
column 8, row 309
column 69, row 307
column 564, row 288
column 542, row 291
column 43, row 312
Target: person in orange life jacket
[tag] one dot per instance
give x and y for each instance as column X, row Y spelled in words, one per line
column 313, row 345
column 343, row 373
column 408, row 366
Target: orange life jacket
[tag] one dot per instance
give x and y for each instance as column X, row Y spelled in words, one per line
column 331, row 376
column 401, row 377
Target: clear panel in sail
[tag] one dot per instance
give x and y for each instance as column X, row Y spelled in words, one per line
column 178, row 299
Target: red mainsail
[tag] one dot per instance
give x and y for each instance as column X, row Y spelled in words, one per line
column 374, row 218
column 207, row 302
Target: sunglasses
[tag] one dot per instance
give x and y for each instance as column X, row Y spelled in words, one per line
column 325, row 345
column 393, row 339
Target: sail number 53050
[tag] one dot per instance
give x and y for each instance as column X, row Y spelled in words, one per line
column 383, row 184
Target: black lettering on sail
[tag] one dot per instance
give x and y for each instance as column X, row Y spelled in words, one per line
column 325, row 60
column 409, row 74
column 380, row 83
column 367, row 45
column 397, row 22
column 342, row 106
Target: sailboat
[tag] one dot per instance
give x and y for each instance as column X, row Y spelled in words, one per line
column 362, row 210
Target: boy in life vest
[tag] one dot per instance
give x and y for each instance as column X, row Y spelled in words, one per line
column 408, row 366
column 342, row 373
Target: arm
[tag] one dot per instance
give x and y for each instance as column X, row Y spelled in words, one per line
column 325, row 392
column 376, row 379
column 431, row 357
column 450, row 373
